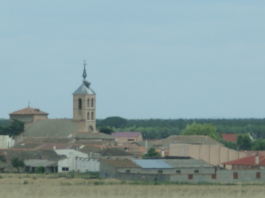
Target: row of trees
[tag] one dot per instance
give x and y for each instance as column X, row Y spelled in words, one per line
column 161, row 128
column 157, row 131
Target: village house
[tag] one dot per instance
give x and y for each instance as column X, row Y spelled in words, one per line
column 102, row 138
column 155, row 169
column 212, row 154
column 28, row 115
column 115, row 153
column 125, row 137
column 78, row 161
column 252, row 162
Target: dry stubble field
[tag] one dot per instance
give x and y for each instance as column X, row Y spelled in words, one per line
column 32, row 186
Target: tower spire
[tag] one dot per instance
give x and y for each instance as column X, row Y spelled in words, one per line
column 84, row 72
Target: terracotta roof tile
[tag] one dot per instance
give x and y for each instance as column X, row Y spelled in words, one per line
column 247, row 161
column 29, row 111
column 230, row 137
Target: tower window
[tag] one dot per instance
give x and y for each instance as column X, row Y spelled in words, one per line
column 88, row 102
column 92, row 116
column 90, row 128
column 79, row 103
column 87, row 117
column 92, row 102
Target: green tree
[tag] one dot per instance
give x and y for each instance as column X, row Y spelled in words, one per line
column 15, row 128
column 106, row 130
column 201, row 129
column 115, row 121
column 151, row 153
column 244, row 142
column 258, row 145
column 17, row 163
column 231, row 145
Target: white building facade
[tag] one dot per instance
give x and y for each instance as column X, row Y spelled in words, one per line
column 6, row 142
column 77, row 161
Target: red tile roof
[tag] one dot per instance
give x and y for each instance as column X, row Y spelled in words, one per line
column 230, row 137
column 29, row 111
column 126, row 134
column 247, row 161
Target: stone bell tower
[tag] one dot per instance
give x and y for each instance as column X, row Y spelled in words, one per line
column 84, row 104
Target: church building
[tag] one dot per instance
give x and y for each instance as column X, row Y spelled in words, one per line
column 84, row 116
column 84, row 104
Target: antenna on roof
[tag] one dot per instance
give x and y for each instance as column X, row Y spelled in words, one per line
column 29, row 103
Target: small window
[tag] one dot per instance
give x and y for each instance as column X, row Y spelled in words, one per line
column 92, row 102
column 127, row 171
column 190, row 176
column 257, row 175
column 87, row 116
column 213, row 176
column 79, row 103
column 196, row 171
column 160, row 171
column 92, row 116
column 88, row 102
column 130, row 140
column 178, row 171
column 235, row 174
column 65, row 169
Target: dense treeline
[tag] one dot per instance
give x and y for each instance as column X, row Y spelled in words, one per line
column 161, row 128
column 13, row 129
column 4, row 122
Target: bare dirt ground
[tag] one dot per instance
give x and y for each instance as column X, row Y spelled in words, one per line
column 32, row 186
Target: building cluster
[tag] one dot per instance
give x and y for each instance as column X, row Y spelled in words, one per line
column 63, row 145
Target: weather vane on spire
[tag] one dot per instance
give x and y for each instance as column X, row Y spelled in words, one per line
column 84, row 72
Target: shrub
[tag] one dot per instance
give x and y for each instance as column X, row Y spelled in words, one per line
column 39, row 170
column 99, row 182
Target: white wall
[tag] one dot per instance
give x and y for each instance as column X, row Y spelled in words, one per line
column 78, row 164
column 6, row 142
column 76, row 161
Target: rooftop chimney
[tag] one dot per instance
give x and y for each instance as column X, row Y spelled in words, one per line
column 257, row 158
column 162, row 153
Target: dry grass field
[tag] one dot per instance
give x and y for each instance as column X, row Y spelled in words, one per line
column 32, row 186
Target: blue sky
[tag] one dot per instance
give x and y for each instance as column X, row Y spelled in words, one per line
column 145, row 59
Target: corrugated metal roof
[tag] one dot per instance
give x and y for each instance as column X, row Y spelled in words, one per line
column 84, row 90
column 149, row 163
column 126, row 134
column 37, row 163
column 187, row 163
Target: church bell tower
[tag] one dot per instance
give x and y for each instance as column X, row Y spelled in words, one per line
column 84, row 104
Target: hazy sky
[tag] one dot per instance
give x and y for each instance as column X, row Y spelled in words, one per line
column 145, row 58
